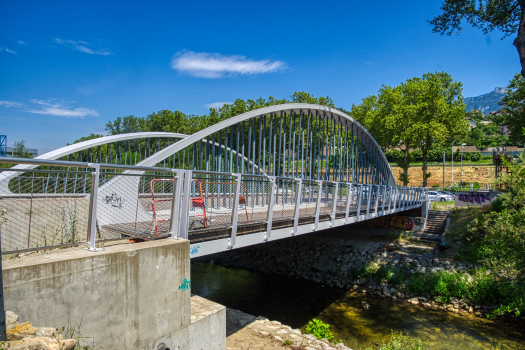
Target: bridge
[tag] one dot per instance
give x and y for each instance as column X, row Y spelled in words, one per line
column 268, row 174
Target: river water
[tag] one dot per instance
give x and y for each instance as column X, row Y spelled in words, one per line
column 294, row 302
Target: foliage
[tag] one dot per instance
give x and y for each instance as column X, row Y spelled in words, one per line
column 401, row 342
column 20, row 150
column 514, row 104
column 319, row 329
column 487, row 15
column 423, row 112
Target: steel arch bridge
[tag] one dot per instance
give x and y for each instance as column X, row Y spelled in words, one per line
column 262, row 175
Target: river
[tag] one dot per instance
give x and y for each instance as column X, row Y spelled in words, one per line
column 294, row 302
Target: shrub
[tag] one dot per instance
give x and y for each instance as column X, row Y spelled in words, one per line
column 319, row 329
column 401, row 342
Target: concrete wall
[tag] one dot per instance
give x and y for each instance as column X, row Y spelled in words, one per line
column 126, row 297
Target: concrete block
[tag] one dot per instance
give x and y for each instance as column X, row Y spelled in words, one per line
column 126, row 297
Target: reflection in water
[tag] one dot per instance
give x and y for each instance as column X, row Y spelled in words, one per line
column 295, row 302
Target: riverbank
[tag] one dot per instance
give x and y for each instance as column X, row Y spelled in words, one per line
column 245, row 331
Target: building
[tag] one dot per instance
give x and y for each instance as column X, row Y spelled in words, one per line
column 471, row 123
column 32, row 151
column 504, row 130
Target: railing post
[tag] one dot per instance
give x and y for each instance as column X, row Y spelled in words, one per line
column 404, row 197
column 394, row 208
column 93, row 201
column 318, row 204
column 297, row 205
column 368, row 201
column 390, row 194
column 383, row 201
column 235, row 211
column 176, row 204
column 376, row 205
column 273, row 189
column 334, row 205
column 359, row 198
column 348, row 200
column 185, row 210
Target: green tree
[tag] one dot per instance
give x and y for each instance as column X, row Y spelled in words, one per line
column 124, row 125
column 20, row 150
column 506, row 16
column 86, row 138
column 423, row 112
column 440, row 112
column 514, row 113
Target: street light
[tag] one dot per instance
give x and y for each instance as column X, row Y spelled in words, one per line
column 461, row 176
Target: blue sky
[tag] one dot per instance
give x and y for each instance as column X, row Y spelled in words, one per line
column 67, row 67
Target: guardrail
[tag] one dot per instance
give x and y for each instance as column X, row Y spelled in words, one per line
column 91, row 209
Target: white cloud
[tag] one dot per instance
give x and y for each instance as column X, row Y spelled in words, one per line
column 10, row 104
column 82, row 46
column 8, row 50
column 50, row 107
column 214, row 65
column 218, row 105
column 21, row 42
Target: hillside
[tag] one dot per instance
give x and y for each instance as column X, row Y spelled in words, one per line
column 486, row 103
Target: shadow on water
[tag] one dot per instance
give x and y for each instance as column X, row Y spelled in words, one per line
column 294, row 302
column 276, row 297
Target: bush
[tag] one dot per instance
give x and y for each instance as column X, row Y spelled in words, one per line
column 476, row 156
column 319, row 329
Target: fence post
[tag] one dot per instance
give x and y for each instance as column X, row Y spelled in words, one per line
column 297, row 205
column 235, row 211
column 93, row 201
column 185, row 210
column 334, row 204
column 318, row 204
column 348, row 200
column 176, row 205
column 271, row 201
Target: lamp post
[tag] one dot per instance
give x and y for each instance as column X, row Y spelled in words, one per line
column 461, row 175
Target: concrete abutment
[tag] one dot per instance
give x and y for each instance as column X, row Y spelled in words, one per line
column 125, row 297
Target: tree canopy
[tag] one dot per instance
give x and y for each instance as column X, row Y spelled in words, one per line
column 506, row 16
column 423, row 112
column 514, row 111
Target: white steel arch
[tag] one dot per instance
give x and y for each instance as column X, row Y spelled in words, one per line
column 290, row 107
column 5, row 176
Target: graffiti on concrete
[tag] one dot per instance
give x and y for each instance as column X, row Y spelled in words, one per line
column 185, row 285
column 115, row 201
column 402, row 223
column 194, row 250
column 475, row 198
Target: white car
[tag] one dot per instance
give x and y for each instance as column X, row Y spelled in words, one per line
column 437, row 196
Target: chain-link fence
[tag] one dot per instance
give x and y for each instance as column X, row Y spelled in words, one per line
column 46, row 209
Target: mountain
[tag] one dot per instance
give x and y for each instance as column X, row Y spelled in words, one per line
column 486, row 103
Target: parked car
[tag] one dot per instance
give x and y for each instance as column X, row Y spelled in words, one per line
column 439, row 197
column 447, row 193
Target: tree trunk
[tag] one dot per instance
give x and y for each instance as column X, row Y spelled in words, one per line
column 519, row 42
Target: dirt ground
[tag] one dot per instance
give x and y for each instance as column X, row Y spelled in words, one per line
column 472, row 173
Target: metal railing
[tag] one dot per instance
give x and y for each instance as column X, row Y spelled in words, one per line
column 140, row 203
